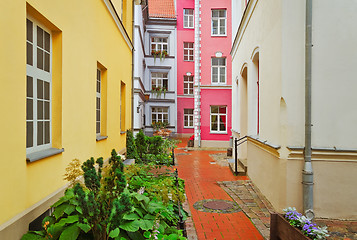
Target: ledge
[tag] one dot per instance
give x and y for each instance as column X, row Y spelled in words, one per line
column 123, row 132
column 159, row 67
column 334, row 149
column 100, row 138
column 265, row 142
column 32, row 157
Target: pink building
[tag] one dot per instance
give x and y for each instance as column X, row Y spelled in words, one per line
column 185, row 66
column 211, row 89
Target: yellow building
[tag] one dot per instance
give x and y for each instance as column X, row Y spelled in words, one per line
column 66, row 80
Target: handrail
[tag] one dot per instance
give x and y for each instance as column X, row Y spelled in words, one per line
column 236, row 144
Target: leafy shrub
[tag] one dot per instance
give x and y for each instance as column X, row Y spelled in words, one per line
column 106, row 208
column 141, row 143
column 131, row 152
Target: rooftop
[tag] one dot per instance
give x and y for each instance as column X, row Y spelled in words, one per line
column 161, row 9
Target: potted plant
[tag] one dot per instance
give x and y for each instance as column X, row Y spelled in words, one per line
column 190, row 142
column 162, row 54
column 294, row 226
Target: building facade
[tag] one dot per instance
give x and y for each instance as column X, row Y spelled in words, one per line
column 204, row 71
column 185, row 68
column 268, row 98
column 155, row 65
column 68, row 71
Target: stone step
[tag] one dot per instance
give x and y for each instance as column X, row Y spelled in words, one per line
column 244, row 164
column 240, row 172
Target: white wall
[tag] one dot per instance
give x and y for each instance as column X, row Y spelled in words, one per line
column 334, row 71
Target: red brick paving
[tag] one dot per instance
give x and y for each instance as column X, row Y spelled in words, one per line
column 201, row 183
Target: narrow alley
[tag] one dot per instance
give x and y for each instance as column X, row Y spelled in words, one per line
column 201, row 175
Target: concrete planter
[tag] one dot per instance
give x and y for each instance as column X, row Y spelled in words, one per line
column 280, row 229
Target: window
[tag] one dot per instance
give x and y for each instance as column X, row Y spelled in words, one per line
column 38, row 87
column 160, row 114
column 122, row 106
column 218, row 70
column 188, row 51
column 219, row 119
column 158, row 44
column 98, row 101
column 188, row 18
column 101, row 102
column 219, row 22
column 188, row 85
column 159, row 80
column 188, row 118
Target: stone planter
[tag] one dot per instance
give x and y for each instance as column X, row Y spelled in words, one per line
column 280, row 229
column 163, row 133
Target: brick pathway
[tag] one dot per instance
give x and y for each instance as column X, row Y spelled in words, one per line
column 201, row 177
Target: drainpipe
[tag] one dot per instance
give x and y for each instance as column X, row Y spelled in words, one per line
column 197, row 91
column 307, row 173
column 132, row 67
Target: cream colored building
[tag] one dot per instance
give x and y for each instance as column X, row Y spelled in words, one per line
column 268, row 97
column 66, row 80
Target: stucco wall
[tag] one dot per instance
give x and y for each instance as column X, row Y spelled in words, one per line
column 263, row 32
column 215, row 97
column 83, row 35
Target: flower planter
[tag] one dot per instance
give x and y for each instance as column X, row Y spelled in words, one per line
column 163, row 133
column 280, row 229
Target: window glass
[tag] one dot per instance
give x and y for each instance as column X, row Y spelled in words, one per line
column 219, row 22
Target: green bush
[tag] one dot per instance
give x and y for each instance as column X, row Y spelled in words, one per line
column 106, row 208
column 131, row 151
column 141, row 143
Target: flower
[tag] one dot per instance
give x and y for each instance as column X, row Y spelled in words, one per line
column 307, row 227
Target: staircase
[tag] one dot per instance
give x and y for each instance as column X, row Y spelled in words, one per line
column 242, row 167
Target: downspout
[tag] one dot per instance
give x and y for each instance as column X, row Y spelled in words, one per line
column 307, row 173
column 197, row 91
column 132, row 67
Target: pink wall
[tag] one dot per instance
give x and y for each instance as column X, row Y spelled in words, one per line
column 183, row 35
column 209, row 97
column 183, row 103
column 209, row 44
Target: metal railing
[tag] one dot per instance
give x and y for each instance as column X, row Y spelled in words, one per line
column 237, row 142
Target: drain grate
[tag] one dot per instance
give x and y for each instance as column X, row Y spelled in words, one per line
column 216, row 206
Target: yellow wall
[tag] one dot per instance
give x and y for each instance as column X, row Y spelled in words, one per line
column 84, row 34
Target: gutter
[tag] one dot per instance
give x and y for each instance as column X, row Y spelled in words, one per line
column 307, row 173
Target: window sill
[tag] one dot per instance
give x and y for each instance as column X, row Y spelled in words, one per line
column 218, row 84
column 32, row 157
column 188, row 127
column 218, row 35
column 100, row 138
column 123, row 132
column 217, row 132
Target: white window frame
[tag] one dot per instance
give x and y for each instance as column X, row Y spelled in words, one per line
column 159, row 45
column 159, row 78
column 38, row 74
column 190, row 51
column 218, row 20
column 98, row 98
column 189, row 80
column 218, row 119
column 220, row 69
column 189, row 117
column 159, row 111
column 188, row 18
